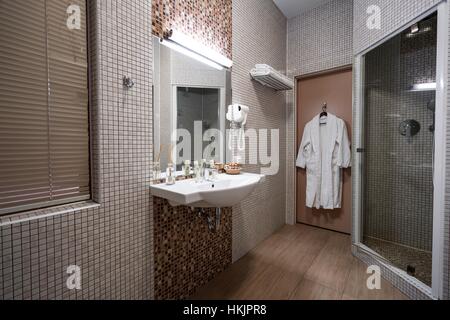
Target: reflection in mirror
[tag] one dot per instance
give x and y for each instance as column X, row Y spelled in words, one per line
column 190, row 100
column 199, row 106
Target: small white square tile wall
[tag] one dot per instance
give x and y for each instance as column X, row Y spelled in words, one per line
column 394, row 15
column 321, row 38
column 112, row 244
column 259, row 36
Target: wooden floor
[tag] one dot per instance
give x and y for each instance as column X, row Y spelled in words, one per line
column 298, row 263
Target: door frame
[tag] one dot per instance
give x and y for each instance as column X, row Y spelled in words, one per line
column 297, row 79
column 436, row 291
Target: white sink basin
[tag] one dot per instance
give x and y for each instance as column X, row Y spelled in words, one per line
column 225, row 191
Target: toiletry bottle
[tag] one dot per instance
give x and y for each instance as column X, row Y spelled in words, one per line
column 213, row 170
column 170, row 174
column 197, row 172
column 187, row 169
column 202, row 169
column 156, row 172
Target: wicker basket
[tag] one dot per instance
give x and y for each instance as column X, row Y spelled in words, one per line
column 233, row 172
column 233, row 169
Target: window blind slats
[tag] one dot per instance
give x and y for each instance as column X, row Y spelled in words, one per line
column 16, row 194
column 44, row 116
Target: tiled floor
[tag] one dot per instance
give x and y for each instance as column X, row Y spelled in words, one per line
column 298, row 263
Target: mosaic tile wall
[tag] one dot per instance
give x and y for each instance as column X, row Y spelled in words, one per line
column 399, row 175
column 259, row 36
column 208, row 21
column 396, row 14
column 319, row 39
column 187, row 254
column 111, row 242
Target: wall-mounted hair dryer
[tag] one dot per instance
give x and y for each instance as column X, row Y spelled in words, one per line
column 237, row 115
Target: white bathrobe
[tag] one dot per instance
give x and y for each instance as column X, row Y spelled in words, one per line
column 324, row 151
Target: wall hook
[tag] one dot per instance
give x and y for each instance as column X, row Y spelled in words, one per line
column 128, row 82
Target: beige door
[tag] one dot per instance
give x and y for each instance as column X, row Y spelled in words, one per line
column 335, row 89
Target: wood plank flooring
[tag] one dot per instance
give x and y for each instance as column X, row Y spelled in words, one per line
column 298, row 263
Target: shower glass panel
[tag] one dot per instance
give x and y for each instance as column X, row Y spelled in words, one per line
column 399, row 118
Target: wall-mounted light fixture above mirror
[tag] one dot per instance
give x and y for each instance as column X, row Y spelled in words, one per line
column 186, row 45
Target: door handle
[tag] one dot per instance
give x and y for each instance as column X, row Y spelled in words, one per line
column 361, row 150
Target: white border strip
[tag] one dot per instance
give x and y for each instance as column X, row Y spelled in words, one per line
column 440, row 152
column 61, row 212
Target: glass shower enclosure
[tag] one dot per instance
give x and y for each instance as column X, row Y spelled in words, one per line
column 396, row 152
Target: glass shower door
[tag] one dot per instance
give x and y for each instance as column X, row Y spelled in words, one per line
column 399, row 127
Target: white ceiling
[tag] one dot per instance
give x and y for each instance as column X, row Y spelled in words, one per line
column 292, row 8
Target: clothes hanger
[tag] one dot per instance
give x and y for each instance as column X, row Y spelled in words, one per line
column 324, row 110
column 324, row 115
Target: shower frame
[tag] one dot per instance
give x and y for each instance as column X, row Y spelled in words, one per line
column 397, row 275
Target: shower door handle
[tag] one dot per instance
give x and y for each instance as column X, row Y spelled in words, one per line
column 360, row 150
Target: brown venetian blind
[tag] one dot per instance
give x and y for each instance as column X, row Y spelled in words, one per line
column 44, row 118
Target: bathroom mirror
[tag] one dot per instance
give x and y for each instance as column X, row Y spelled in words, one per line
column 189, row 108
